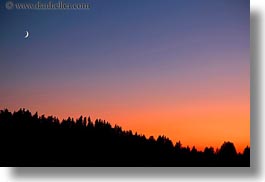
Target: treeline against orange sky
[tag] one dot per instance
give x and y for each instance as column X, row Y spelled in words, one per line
column 32, row 140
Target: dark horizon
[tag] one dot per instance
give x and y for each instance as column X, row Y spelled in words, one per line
column 32, row 140
column 71, row 119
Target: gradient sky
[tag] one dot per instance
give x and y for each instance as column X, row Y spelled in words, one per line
column 175, row 67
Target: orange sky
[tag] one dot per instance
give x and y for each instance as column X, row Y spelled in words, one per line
column 205, row 113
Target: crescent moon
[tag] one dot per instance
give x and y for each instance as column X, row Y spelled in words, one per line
column 27, row 35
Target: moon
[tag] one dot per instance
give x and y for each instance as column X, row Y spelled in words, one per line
column 27, row 35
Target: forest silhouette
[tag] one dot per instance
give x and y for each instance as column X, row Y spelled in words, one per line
column 31, row 140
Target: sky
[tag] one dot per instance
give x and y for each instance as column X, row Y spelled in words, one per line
column 179, row 68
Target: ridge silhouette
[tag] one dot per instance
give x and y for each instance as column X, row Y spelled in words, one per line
column 33, row 140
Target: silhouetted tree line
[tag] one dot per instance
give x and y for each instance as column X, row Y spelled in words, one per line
column 33, row 140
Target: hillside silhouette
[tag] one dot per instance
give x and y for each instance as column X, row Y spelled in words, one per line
column 31, row 140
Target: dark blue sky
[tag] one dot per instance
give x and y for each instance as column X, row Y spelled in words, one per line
column 122, row 34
